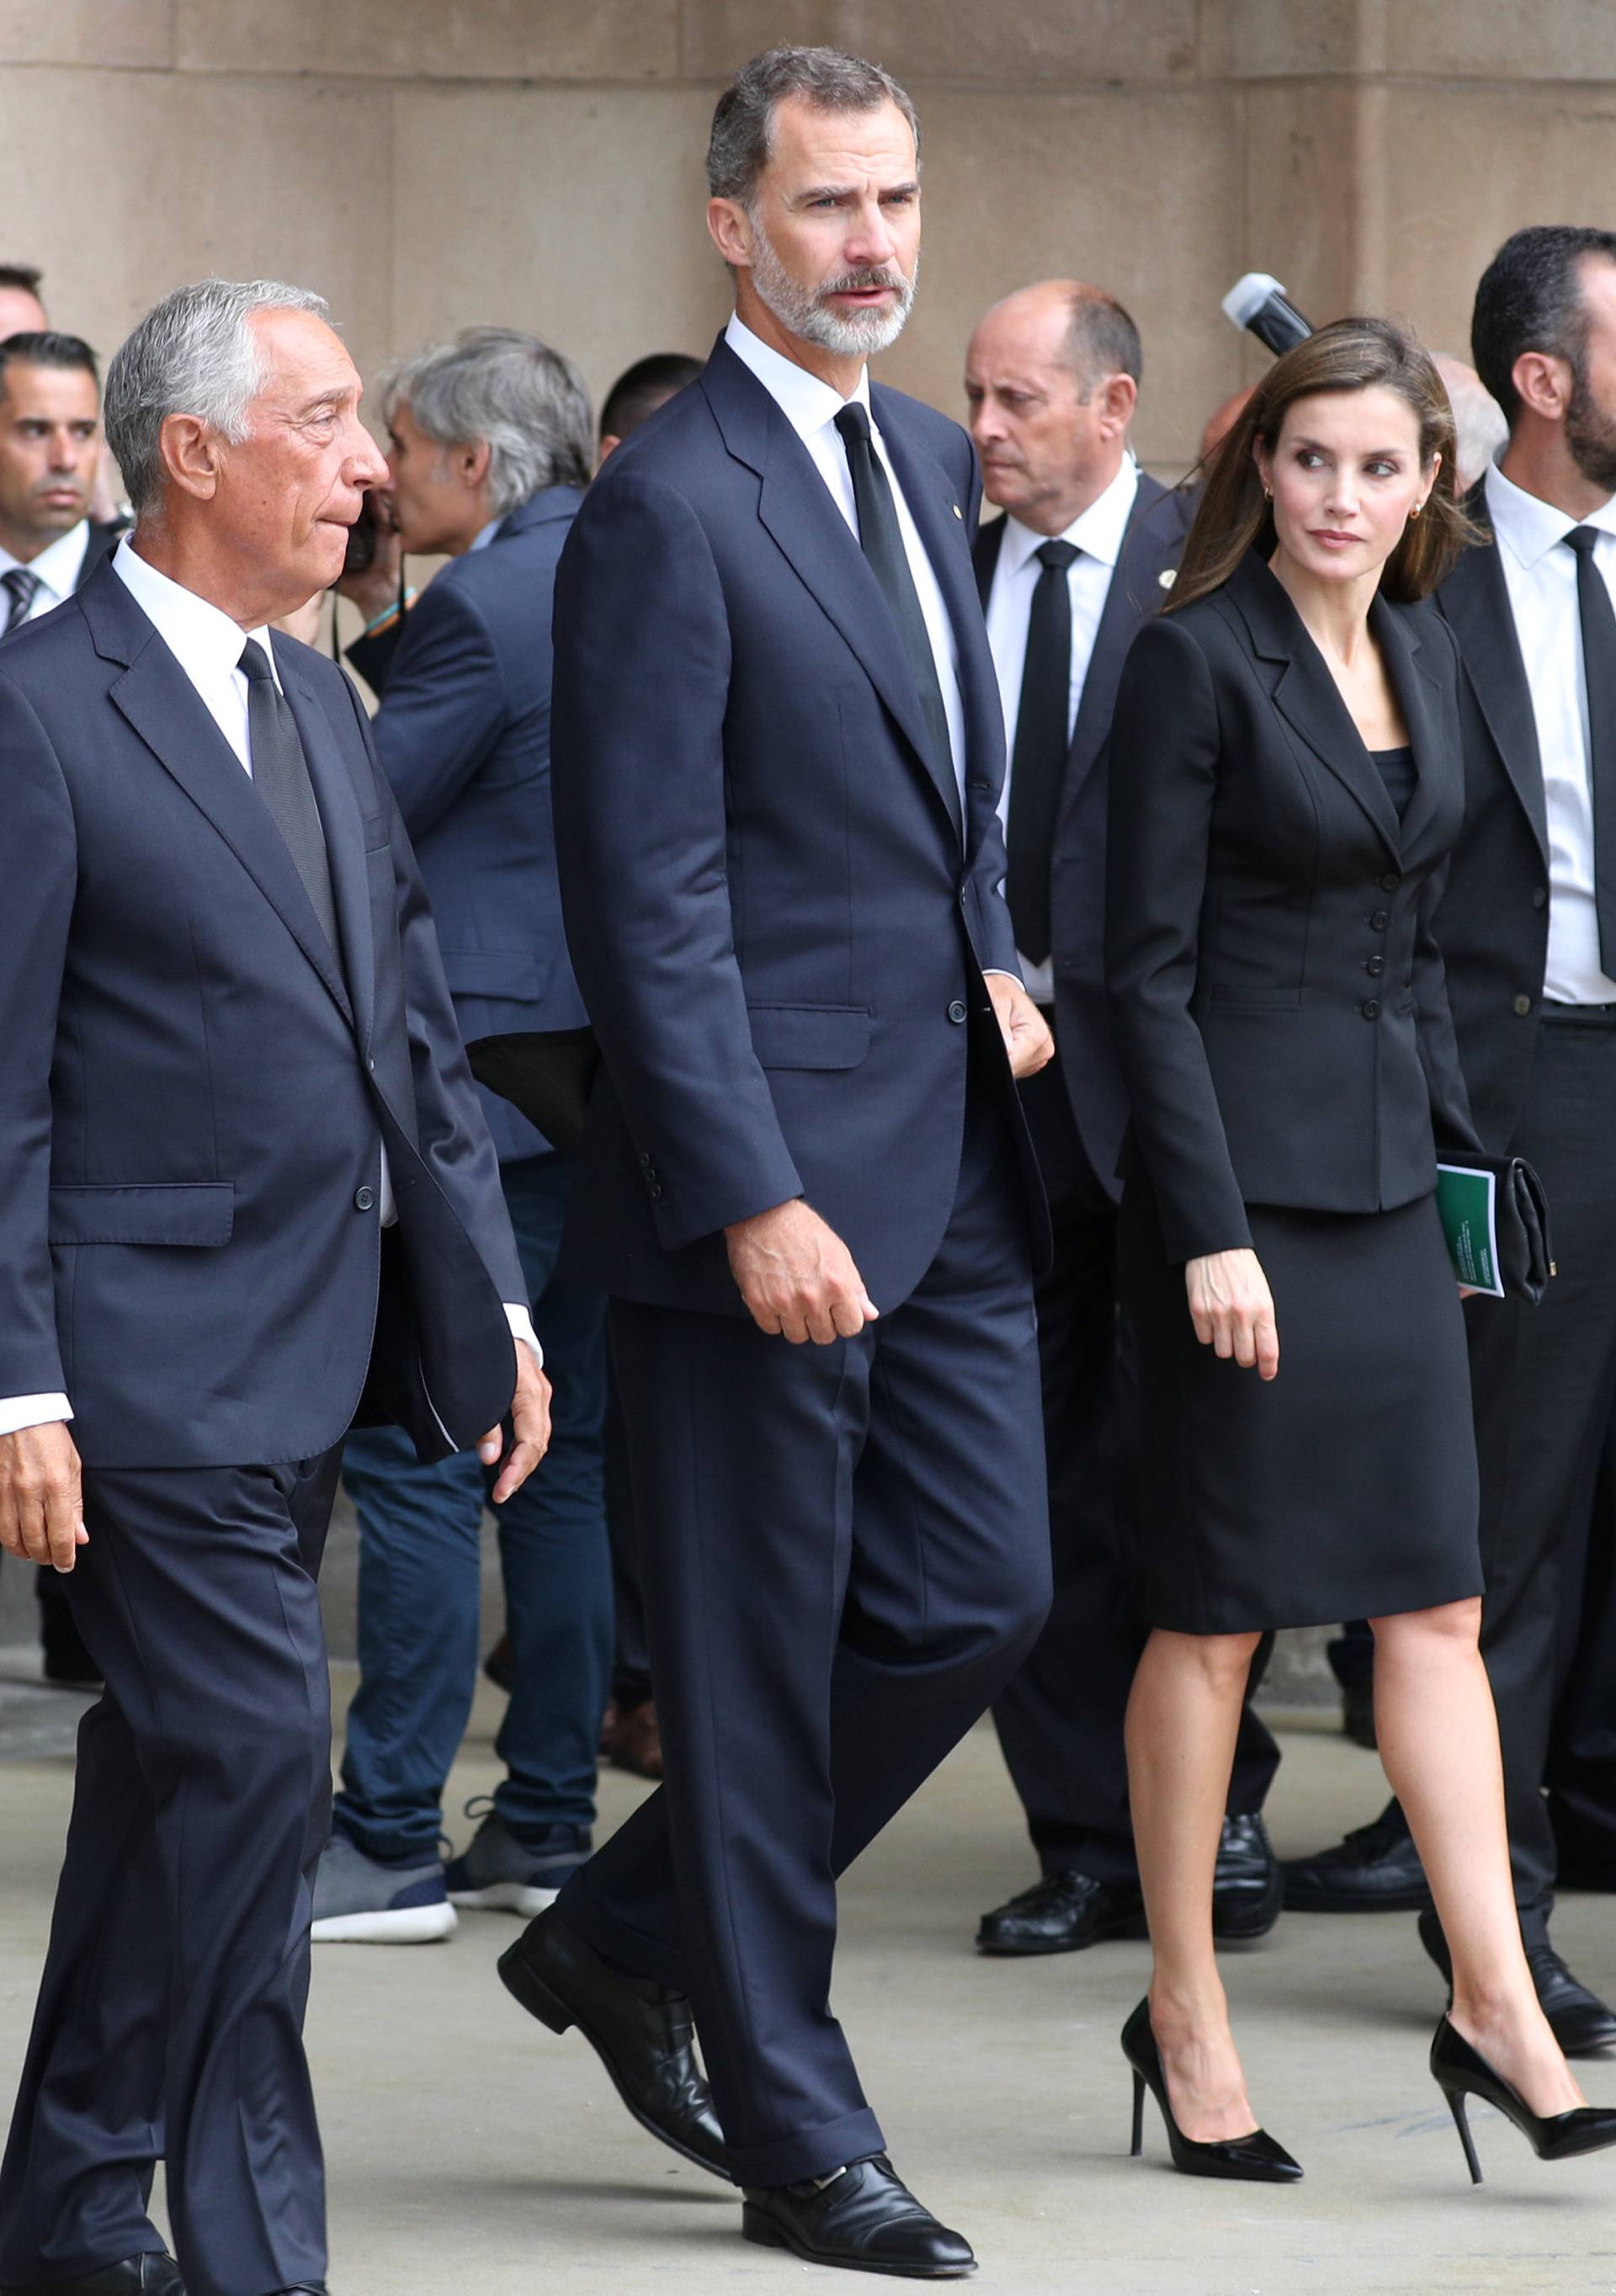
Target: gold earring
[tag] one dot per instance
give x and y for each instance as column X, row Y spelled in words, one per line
column 1267, row 493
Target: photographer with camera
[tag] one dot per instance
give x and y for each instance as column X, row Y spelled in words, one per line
column 489, row 447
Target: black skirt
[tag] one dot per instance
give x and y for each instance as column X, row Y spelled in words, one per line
column 1346, row 1487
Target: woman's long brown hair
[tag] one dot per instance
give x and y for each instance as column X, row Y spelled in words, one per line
column 1234, row 515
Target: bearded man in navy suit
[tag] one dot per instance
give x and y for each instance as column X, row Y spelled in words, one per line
column 250, row 1199
column 806, row 1181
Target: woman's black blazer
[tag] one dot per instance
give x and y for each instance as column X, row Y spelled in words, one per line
column 1276, row 997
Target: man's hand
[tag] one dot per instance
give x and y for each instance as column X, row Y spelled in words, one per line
column 1231, row 1308
column 530, row 1427
column 377, row 588
column 798, row 1277
column 41, row 1504
column 1025, row 1031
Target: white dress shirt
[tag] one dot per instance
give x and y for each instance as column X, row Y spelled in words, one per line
column 1097, row 535
column 56, row 570
column 1540, row 576
column 811, row 407
column 208, row 645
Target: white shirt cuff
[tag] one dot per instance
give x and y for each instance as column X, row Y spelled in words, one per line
column 521, row 1328
column 20, row 1411
column 1004, row 972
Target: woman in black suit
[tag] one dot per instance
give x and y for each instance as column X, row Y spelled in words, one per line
column 1285, row 783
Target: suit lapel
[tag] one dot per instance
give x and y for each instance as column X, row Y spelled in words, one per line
column 1306, row 695
column 1132, row 595
column 795, row 507
column 341, row 819
column 939, row 522
column 984, row 558
column 162, row 706
column 1474, row 600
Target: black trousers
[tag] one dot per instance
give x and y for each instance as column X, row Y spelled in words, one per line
column 845, row 1551
column 1060, row 1718
column 169, row 2021
column 1544, row 1384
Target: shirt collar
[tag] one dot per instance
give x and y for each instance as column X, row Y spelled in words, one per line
column 487, row 533
column 807, row 404
column 59, row 565
column 1097, row 531
column 206, row 642
column 1530, row 528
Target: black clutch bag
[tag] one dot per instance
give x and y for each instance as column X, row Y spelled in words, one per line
column 545, row 1074
column 1495, row 1216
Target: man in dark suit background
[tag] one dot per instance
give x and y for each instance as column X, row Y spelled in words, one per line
column 250, row 1196
column 1082, row 558
column 50, row 452
column 488, row 448
column 777, row 760
column 1527, row 928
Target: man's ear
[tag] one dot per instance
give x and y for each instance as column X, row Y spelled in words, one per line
column 732, row 232
column 473, row 460
column 189, row 452
column 1543, row 382
column 1119, row 398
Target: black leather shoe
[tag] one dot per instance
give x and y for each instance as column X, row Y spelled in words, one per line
column 1578, row 2019
column 864, row 2218
column 1063, row 1913
column 154, row 2274
column 640, row 2031
column 1247, row 1891
column 1375, row 1870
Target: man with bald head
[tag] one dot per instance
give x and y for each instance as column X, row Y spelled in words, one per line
column 1083, row 554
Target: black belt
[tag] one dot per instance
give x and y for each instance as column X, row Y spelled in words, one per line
column 1596, row 1016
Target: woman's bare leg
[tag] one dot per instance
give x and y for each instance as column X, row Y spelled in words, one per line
column 1439, row 1742
column 1183, row 1717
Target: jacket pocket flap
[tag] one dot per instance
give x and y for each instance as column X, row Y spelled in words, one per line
column 514, row 973
column 198, row 1212
column 810, row 1035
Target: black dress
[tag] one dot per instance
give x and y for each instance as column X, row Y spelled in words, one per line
column 1346, row 1487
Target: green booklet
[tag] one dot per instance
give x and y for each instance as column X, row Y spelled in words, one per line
column 1467, row 1204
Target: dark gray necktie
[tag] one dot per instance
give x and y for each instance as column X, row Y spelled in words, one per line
column 1599, row 672
column 280, row 775
column 881, row 539
column 21, row 588
column 1037, row 765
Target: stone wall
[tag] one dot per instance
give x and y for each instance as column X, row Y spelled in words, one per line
column 431, row 162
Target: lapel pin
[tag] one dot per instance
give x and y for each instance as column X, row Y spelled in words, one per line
column 958, row 513
column 1167, row 577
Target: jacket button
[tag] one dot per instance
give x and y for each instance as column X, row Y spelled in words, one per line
column 656, row 1191
column 644, row 1161
column 1540, row 897
column 1391, row 881
column 1379, row 921
column 1372, row 1010
column 956, row 1011
column 1523, row 1006
column 1375, row 966
column 364, row 1199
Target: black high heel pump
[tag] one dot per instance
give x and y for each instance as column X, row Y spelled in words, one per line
column 1461, row 2071
column 1256, row 2158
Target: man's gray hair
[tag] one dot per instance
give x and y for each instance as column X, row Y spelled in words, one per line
column 1481, row 428
column 496, row 384
column 824, row 77
column 192, row 354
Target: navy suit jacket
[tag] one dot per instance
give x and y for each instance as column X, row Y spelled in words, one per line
column 464, row 732
column 193, row 1097
column 1151, row 546
column 778, row 932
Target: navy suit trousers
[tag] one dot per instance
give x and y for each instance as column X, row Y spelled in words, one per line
column 170, row 2015
column 845, row 1552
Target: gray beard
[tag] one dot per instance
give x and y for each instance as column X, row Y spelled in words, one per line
column 857, row 334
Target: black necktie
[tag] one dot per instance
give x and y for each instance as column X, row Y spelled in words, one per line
column 21, row 588
column 1599, row 672
column 1039, row 765
column 883, row 542
column 280, row 775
